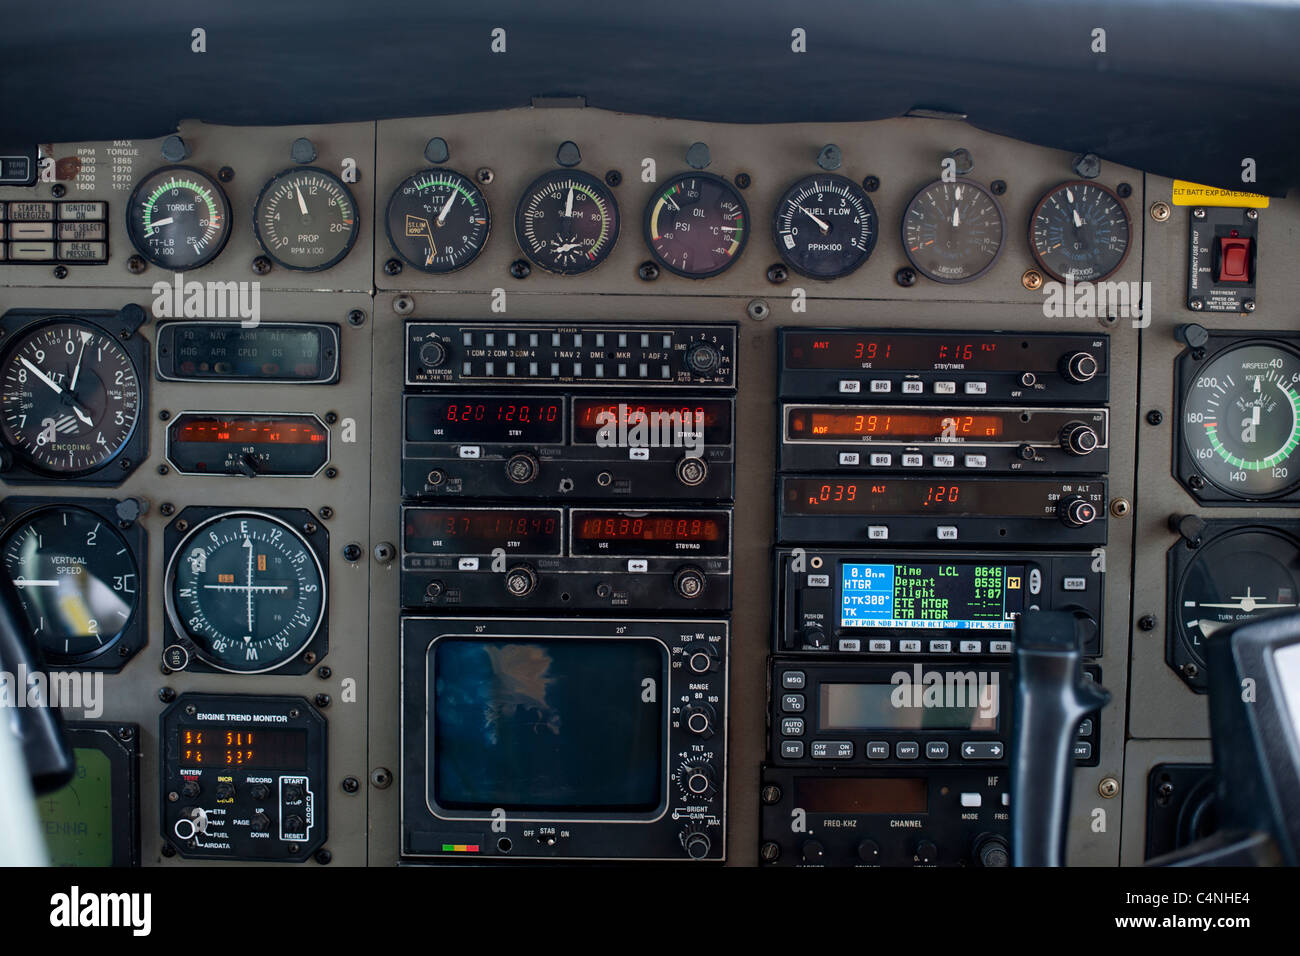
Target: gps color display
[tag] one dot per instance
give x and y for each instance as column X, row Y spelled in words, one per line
column 931, row 596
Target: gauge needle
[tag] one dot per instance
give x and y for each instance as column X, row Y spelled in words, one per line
column 158, row 224
column 42, row 376
column 567, row 247
column 249, row 545
column 568, row 205
column 956, row 216
column 302, row 203
column 824, row 227
column 85, row 338
column 34, row 583
column 1077, row 221
column 442, row 216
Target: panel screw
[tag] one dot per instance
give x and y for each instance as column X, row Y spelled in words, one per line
column 1124, row 190
column 1249, row 305
column 309, row 658
column 225, row 174
column 322, row 700
column 261, row 265
column 356, row 317
column 1198, row 213
column 324, row 856
column 326, row 513
column 776, row 274
column 60, row 272
column 771, row 794
column 997, row 187
column 309, row 527
column 163, row 469
column 871, row 183
column 520, row 269
column 769, row 852
column 1197, row 304
column 351, row 784
column 1155, row 416
column 905, row 277
column 742, row 180
column 484, row 175
column 1197, row 482
column 190, row 710
column 1147, row 622
column 403, row 305
column 182, row 525
column 168, row 850
column 647, row 271
column 1160, row 211
column 331, row 417
column 385, row 552
column 135, row 265
column 324, row 672
column 58, row 190
column 1190, row 670
column 352, row 553
column 1032, row 280
column 381, row 778
column 393, row 267
column 1108, row 787
column 758, row 310
column 1252, row 213
column 1120, row 507
column 166, row 695
column 613, row 178
column 166, row 508
column 331, row 472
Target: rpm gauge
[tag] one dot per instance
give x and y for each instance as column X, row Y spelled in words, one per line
column 247, row 590
column 438, row 220
column 697, row 225
column 952, row 231
column 178, row 218
column 1241, row 420
column 71, row 397
column 305, row 219
column 1079, row 231
column 567, row 222
column 825, row 226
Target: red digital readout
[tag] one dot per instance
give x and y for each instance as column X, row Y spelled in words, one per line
column 589, row 414
column 922, row 496
column 628, row 528
column 810, row 423
column 250, row 431
column 525, row 413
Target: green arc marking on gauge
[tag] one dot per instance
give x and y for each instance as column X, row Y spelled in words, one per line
column 604, row 213
column 201, row 191
column 1212, row 433
column 459, row 187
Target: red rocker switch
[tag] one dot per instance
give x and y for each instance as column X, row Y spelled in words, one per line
column 1234, row 259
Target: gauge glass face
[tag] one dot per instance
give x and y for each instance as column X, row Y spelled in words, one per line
column 1237, row 577
column 952, row 231
column 567, row 222
column 1079, row 231
column 1241, row 420
column 306, row 219
column 178, row 218
column 71, row 397
column 247, row 590
column 438, row 220
column 825, row 226
column 697, row 225
column 76, row 578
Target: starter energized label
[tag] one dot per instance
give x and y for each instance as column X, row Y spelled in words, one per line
column 947, row 596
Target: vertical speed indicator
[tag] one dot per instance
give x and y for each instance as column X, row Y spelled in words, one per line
column 697, row 225
column 438, row 220
column 567, row 222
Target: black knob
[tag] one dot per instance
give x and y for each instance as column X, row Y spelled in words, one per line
column 701, row 658
column 697, row 845
column 190, row 789
column 698, row 719
column 1081, row 367
column 292, row 793
column 260, row 791
column 293, row 824
column 522, row 468
column 432, row 354
column 1075, row 512
column 812, row 851
column 697, row 781
column 814, row 636
column 993, row 851
column 1079, row 439
column 702, row 357
column 869, row 851
column 260, row 822
column 225, row 791
column 692, row 471
column 1027, row 452
column 926, row 852
column 520, row 581
column 689, row 582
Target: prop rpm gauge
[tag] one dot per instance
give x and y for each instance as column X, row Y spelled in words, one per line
column 438, row 220
column 825, row 226
column 76, row 578
column 952, row 231
column 697, row 225
column 178, row 218
column 306, row 219
column 567, row 222
column 1079, row 231
column 1241, row 420
column 1239, row 575
column 247, row 590
column 71, row 397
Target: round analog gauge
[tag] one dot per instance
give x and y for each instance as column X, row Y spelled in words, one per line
column 247, row 590
column 438, row 220
column 178, row 218
column 71, row 397
column 697, row 225
column 76, row 579
column 952, row 231
column 1237, row 576
column 825, row 226
column 1079, row 231
column 567, row 222
column 1241, row 420
column 306, row 219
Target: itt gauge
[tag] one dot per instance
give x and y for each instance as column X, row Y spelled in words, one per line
column 567, row 222
column 825, row 226
column 306, row 219
column 952, row 231
column 438, row 220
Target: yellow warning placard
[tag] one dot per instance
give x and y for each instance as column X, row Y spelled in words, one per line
column 1194, row 194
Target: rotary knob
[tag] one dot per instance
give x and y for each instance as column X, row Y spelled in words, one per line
column 522, row 468
column 993, row 851
column 702, row 358
column 692, row 471
column 813, row 636
column 1079, row 439
column 702, row 658
column 697, row 782
column 1081, row 367
column 689, row 582
column 926, row 852
column 812, row 851
column 869, row 851
column 698, row 719
column 1075, row 512
column 520, row 580
column 697, row 845
column 432, row 354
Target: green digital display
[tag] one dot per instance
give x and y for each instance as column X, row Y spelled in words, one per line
column 78, row 819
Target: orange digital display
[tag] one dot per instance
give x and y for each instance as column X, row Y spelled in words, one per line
column 252, row 747
column 814, row 424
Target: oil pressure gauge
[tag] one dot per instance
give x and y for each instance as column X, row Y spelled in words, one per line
column 697, row 225
column 952, row 231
